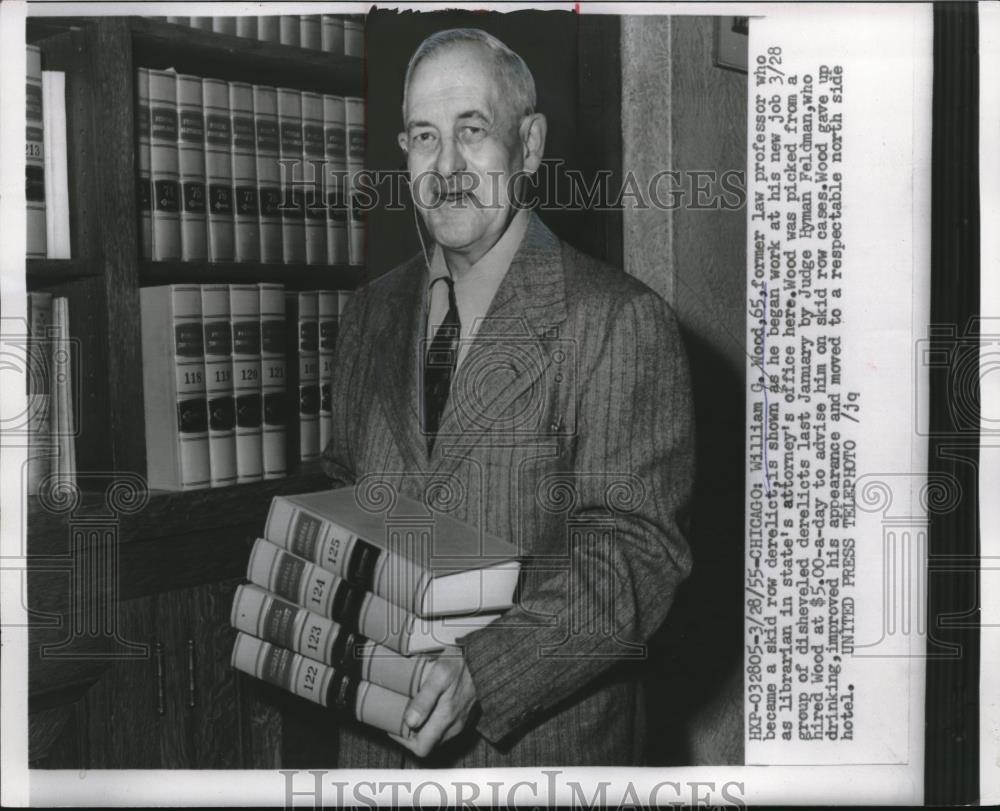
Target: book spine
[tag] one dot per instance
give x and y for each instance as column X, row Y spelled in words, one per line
column 246, row 27
column 39, row 399
column 327, row 344
column 269, row 28
column 332, row 35
column 313, row 172
column 402, row 580
column 355, row 117
column 191, row 167
column 34, row 157
column 293, row 232
column 322, row 592
column 218, row 170
column 289, row 29
column 309, row 31
column 273, row 380
column 219, row 383
column 265, row 109
column 244, row 306
column 203, row 23
column 56, row 174
column 354, row 37
column 261, row 614
column 173, row 379
column 244, row 157
column 145, row 191
column 224, row 25
column 179, row 20
column 307, row 360
column 365, row 702
column 335, row 154
column 163, row 165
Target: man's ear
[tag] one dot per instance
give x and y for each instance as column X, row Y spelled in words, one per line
column 401, row 139
column 532, row 132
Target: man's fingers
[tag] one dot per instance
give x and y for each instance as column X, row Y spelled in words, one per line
column 420, row 707
column 422, row 743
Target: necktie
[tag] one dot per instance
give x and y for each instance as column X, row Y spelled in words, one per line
column 439, row 365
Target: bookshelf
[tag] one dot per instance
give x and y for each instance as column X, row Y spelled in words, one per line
column 178, row 557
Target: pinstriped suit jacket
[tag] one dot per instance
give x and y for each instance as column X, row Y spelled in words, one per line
column 568, row 431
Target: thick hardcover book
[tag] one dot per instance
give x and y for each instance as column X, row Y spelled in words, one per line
column 343, row 296
column 309, row 31
column 173, row 388
column 365, row 702
column 322, row 592
column 191, row 164
column 179, row 20
column 269, row 28
column 355, row 118
column 34, row 159
column 293, row 227
column 273, row 380
column 246, row 27
column 313, row 172
column 332, row 34
column 267, row 617
column 219, row 170
column 265, row 110
column 163, row 165
column 354, row 37
column 56, row 171
column 247, row 212
column 335, row 152
column 303, row 364
column 288, row 29
column 204, row 23
column 244, row 313
column 429, row 563
column 327, row 346
column 144, row 191
column 219, row 383
column 40, row 450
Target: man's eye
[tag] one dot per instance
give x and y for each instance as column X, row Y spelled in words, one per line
column 470, row 133
column 423, row 138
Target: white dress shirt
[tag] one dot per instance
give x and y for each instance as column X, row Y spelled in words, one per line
column 476, row 287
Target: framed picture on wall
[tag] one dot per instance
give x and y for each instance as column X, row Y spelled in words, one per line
column 732, row 38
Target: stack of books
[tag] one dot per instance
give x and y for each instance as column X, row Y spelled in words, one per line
column 234, row 172
column 46, row 174
column 221, row 364
column 331, row 33
column 346, row 605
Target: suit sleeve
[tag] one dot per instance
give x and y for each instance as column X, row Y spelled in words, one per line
column 634, row 418
column 337, row 459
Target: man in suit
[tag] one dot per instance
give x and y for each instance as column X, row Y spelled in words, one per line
column 543, row 396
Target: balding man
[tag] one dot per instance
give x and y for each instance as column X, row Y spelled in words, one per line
column 550, row 394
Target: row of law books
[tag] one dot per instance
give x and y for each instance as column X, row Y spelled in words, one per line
column 331, row 33
column 49, row 374
column 346, row 606
column 236, row 381
column 46, row 177
column 230, row 171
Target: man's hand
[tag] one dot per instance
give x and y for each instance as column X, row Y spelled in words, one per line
column 442, row 707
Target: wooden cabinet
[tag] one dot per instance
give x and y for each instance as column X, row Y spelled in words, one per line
column 130, row 590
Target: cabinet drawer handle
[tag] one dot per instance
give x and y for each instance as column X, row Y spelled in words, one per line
column 192, row 698
column 161, row 708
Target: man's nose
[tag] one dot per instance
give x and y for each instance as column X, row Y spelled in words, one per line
column 449, row 159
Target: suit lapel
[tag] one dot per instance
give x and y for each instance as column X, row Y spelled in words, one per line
column 397, row 358
column 513, row 346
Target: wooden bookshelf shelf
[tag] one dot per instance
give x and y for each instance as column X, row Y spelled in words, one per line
column 53, row 271
column 294, row 277
column 163, row 45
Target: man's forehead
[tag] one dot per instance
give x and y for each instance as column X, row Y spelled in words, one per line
column 458, row 74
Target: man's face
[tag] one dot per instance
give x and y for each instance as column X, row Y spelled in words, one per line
column 462, row 147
